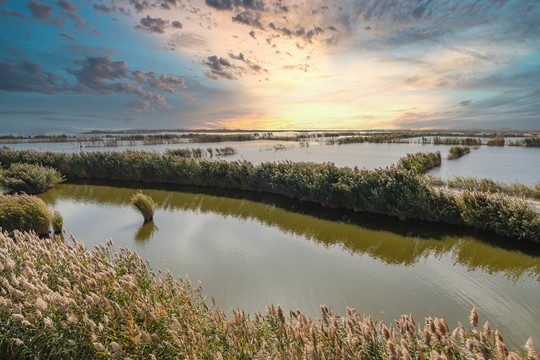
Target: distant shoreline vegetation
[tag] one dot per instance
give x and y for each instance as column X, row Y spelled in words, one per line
column 156, row 137
column 398, row 191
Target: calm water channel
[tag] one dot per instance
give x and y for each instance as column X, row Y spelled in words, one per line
column 249, row 250
column 504, row 164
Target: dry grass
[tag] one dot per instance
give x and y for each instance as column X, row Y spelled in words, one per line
column 59, row 300
column 144, row 204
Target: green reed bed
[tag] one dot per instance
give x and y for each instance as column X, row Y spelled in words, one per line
column 458, row 151
column 487, row 185
column 498, row 141
column 395, row 191
column 61, row 301
column 28, row 213
column 198, row 153
column 420, row 162
column 457, row 141
column 29, row 178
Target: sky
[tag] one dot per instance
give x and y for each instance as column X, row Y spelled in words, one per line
column 69, row 66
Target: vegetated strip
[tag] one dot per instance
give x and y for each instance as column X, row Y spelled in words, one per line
column 394, row 191
column 61, row 301
column 458, row 151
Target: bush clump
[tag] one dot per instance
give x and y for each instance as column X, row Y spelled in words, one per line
column 25, row 213
column 29, row 178
column 458, row 151
column 145, row 204
column 61, row 301
column 420, row 162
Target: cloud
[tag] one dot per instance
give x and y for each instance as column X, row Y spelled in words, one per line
column 220, row 4
column 28, row 76
column 67, row 6
column 102, row 75
column 177, row 24
column 150, row 24
column 219, row 68
column 248, row 18
column 39, row 10
column 104, row 9
column 67, row 36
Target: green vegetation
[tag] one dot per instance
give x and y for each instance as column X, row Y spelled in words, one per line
column 198, row 153
column 145, row 205
column 420, row 162
column 123, row 310
column 29, row 178
column 457, row 141
column 458, row 151
column 498, row 141
column 396, row 191
column 487, row 185
column 25, row 213
column 57, row 222
column 534, row 141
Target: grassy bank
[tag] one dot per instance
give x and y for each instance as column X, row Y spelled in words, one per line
column 396, row 191
column 28, row 213
column 62, row 301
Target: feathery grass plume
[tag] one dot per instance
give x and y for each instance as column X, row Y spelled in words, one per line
column 29, row 178
column 141, row 315
column 144, row 204
column 474, row 317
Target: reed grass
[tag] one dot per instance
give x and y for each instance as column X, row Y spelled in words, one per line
column 458, row 151
column 397, row 191
column 487, row 185
column 420, row 162
column 198, row 153
column 29, row 178
column 457, row 141
column 25, row 213
column 498, row 141
column 59, row 300
column 144, row 204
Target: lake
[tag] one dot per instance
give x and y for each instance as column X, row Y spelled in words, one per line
column 251, row 249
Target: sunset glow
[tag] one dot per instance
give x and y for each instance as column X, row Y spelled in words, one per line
column 332, row 64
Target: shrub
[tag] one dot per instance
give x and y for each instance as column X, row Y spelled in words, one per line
column 458, row 151
column 29, row 178
column 144, row 204
column 420, row 162
column 24, row 213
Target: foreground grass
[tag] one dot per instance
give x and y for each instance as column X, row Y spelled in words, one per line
column 397, row 191
column 59, row 300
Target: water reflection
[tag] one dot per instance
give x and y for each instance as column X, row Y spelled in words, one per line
column 389, row 240
column 146, row 231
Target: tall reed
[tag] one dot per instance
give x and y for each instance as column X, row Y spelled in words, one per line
column 145, row 205
column 25, row 213
column 394, row 191
column 62, row 301
column 29, row 178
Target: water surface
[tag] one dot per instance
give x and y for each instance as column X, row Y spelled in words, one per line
column 249, row 250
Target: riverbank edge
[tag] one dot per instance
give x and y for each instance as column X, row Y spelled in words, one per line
column 391, row 191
